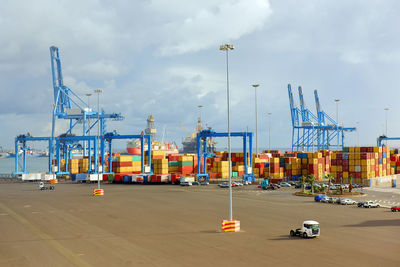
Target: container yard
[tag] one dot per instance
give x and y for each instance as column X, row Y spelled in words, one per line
column 181, row 226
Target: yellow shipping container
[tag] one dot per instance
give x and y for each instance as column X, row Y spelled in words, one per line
column 124, row 158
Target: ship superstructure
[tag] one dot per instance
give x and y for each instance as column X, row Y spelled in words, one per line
column 133, row 147
column 189, row 144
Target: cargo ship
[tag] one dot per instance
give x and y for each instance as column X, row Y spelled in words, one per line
column 133, row 147
column 189, row 144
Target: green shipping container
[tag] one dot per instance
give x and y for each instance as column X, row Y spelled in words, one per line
column 172, row 163
column 346, row 149
column 136, row 158
column 111, row 177
column 185, row 163
column 234, row 174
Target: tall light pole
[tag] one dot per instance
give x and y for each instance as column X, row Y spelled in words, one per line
column 88, row 120
column 200, row 106
column 269, row 130
column 98, row 92
column 337, row 121
column 386, row 110
column 226, row 48
column 255, row 102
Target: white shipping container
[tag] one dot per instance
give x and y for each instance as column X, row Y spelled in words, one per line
column 54, row 168
column 357, row 168
column 164, row 178
column 94, row 177
column 146, row 169
column 48, row 176
column 31, row 176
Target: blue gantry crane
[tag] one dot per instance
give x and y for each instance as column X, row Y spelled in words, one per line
column 202, row 152
column 315, row 132
column 69, row 106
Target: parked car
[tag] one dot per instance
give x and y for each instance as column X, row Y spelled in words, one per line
column 283, row 184
column 395, row 208
column 297, row 186
column 346, row 201
column 325, row 199
column 361, row 204
column 276, row 185
column 223, row 185
column 204, row 183
column 237, row 184
column 334, row 200
column 371, row 204
column 195, row 183
column 272, row 187
column 292, row 183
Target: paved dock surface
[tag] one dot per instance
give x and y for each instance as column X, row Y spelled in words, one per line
column 167, row 225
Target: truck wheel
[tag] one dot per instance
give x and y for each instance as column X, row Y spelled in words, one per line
column 292, row 233
column 304, row 235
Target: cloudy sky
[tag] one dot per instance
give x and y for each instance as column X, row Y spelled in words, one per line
column 162, row 58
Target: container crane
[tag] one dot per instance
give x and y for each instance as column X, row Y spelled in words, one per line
column 315, row 131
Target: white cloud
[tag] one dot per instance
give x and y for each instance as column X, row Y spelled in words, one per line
column 212, row 24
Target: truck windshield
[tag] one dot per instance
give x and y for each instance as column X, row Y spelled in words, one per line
column 311, row 226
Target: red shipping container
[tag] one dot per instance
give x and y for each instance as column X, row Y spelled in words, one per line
column 339, row 156
column 119, row 177
column 121, row 164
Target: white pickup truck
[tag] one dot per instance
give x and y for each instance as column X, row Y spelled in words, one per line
column 186, row 181
column 308, row 229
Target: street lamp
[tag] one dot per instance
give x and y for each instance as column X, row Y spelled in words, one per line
column 255, row 101
column 200, row 106
column 88, row 120
column 386, row 110
column 226, row 48
column 337, row 121
column 269, row 130
column 98, row 92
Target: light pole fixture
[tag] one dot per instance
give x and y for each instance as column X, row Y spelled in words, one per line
column 337, row 121
column 226, row 48
column 255, row 102
column 98, row 92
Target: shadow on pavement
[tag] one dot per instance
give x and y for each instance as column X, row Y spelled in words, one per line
column 287, row 238
column 372, row 223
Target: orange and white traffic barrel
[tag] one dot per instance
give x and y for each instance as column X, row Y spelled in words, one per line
column 98, row 192
column 231, row 226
